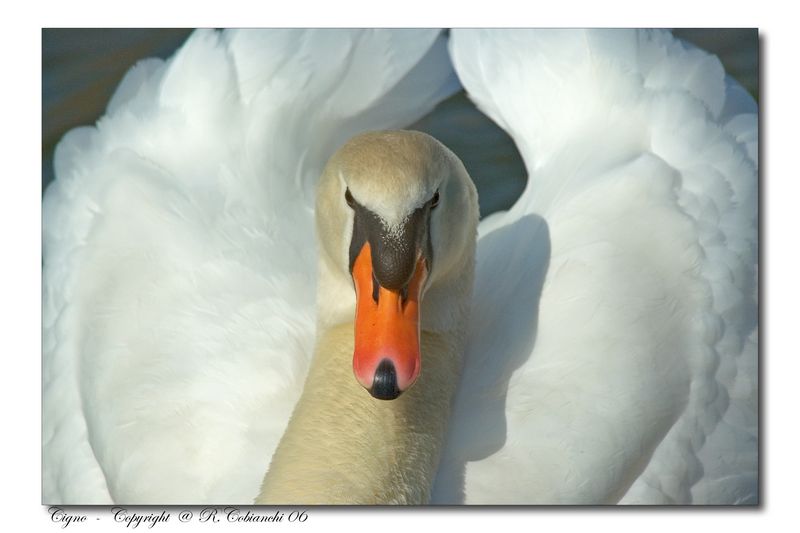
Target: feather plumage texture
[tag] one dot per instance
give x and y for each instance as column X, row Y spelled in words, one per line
column 612, row 349
column 631, row 375
column 179, row 268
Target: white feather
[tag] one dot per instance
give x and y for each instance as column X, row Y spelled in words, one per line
column 612, row 348
column 180, row 259
column 611, row 356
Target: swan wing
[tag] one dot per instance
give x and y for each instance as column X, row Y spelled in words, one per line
column 612, row 350
column 179, row 277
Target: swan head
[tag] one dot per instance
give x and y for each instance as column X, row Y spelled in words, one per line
column 396, row 218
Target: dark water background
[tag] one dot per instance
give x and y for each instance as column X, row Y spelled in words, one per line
column 82, row 67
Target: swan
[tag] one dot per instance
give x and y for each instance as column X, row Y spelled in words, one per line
column 397, row 217
column 607, row 352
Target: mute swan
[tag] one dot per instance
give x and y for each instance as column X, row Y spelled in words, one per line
column 409, row 228
column 610, row 354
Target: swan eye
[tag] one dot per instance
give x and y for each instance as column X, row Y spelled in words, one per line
column 435, row 199
column 349, row 198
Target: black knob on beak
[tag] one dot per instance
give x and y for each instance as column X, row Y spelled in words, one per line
column 384, row 385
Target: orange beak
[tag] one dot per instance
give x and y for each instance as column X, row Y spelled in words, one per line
column 386, row 360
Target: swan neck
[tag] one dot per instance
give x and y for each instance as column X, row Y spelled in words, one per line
column 343, row 446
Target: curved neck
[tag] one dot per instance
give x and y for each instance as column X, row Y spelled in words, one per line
column 343, row 446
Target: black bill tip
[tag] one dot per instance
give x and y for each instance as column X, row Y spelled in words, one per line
column 384, row 385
